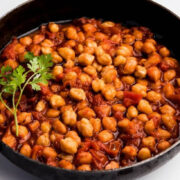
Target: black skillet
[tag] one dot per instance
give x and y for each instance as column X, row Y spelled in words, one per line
column 32, row 14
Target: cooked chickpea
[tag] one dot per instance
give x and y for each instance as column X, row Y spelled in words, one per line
column 69, row 117
column 54, row 28
column 40, row 106
column 139, row 89
column 124, row 123
column 105, row 136
column 130, row 65
column 163, row 134
column 49, row 152
column 98, row 85
column 84, row 167
column 46, row 50
column 66, row 164
column 138, row 45
column 132, row 112
column 86, row 113
column 43, row 140
column 22, row 131
column 169, row 121
column 119, row 60
column 142, row 117
column 167, row 109
column 38, row 38
column 118, row 107
column 67, row 53
column 140, row 72
column 148, row 47
column 52, row 113
column 12, row 63
column 59, row 126
column 143, row 82
column 84, row 158
column 169, row 75
column 85, row 127
column 26, row 41
column 154, row 96
column 163, row 145
column 109, row 92
column 77, row 94
column 96, row 123
column 144, row 153
column 56, row 101
column 154, row 73
column 144, row 106
column 26, row 150
column 120, row 94
column 164, row 52
column 33, row 126
column 168, row 90
column 45, row 127
column 149, row 127
column 128, row 80
column 57, row 70
column 75, row 136
column 24, row 118
column 89, row 28
column 112, row 165
column 56, row 58
column 149, row 142
column 90, row 70
column 104, row 59
column 109, row 123
column 178, row 81
column 125, row 50
column 2, row 119
column 129, row 151
column 109, row 74
column 85, row 59
column 85, row 78
column 69, row 145
column 71, row 33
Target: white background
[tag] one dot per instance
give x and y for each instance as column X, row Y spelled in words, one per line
column 170, row 171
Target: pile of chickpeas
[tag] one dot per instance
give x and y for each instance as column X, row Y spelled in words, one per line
column 112, row 102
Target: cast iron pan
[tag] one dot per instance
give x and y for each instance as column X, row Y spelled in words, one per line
column 32, row 14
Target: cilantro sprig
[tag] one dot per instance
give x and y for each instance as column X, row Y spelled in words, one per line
column 13, row 81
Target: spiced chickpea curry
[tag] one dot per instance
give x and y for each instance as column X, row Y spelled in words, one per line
column 89, row 95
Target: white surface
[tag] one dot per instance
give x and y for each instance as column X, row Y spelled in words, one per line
column 170, row 171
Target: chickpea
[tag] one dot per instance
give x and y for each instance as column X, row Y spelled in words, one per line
column 84, row 158
column 57, row 70
column 49, row 152
column 86, row 113
column 119, row 60
column 129, row 151
column 85, row 79
column 89, row 28
column 155, row 115
column 130, row 65
column 77, row 94
column 35, row 49
column 19, row 48
column 118, row 107
column 132, row 112
column 34, row 125
column 46, row 50
column 45, row 127
column 128, row 80
column 168, row 90
column 109, row 74
column 43, row 140
column 163, row 145
column 169, row 121
column 142, row 117
column 97, row 66
column 140, row 89
column 71, row 33
column 149, row 142
column 112, row 165
column 12, row 63
column 120, row 94
column 84, row 167
column 104, row 59
column 69, row 117
column 67, row 53
column 85, row 127
column 153, row 60
column 52, row 113
column 129, row 39
column 100, row 36
column 105, row 136
column 54, row 28
column 169, row 75
column 56, row 101
column 70, row 76
column 154, row 73
column 90, row 70
column 164, row 52
column 125, row 50
column 178, row 81
column 108, row 24
column 148, row 47
column 143, row 82
column 68, row 145
column 124, row 123
column 40, row 106
column 118, row 84
column 109, row 92
column 9, row 140
column 66, row 165
column 98, row 85
column 22, row 131
column 56, row 58
column 116, row 38
column 38, row 38
column 26, row 150
column 171, row 62
column 163, row 134
column 26, row 41
column 109, row 123
column 85, row 59
column 59, row 126
column 167, row 109
column 144, row 153
column 140, row 72
column 69, row 64
column 99, row 51
column 2, row 119
column 149, row 126
column 138, row 45
column 144, row 106
column 138, row 34
column 154, row 96
column 24, row 118
column 96, row 124
column 74, row 136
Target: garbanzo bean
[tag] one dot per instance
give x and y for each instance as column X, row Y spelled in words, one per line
column 139, row 89
column 169, row 121
column 56, row 101
column 140, row 71
column 154, row 73
column 66, row 165
column 43, row 140
column 109, row 123
column 167, row 109
column 77, row 94
column 52, row 113
column 85, row 59
column 98, row 85
column 112, row 165
column 119, row 60
column 26, row 41
column 144, row 153
column 108, row 74
column 45, row 127
column 132, row 112
column 109, row 92
column 104, row 59
column 67, row 53
column 163, row 145
column 54, row 28
column 105, row 136
column 154, row 96
column 59, row 126
column 69, row 117
column 149, row 142
column 168, row 90
column 75, row 136
column 84, row 167
column 84, row 158
column 26, row 150
column 130, row 65
column 129, row 151
column 40, row 106
column 144, row 106
column 169, row 75
column 96, row 123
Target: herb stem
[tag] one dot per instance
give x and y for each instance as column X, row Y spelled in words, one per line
column 5, row 104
